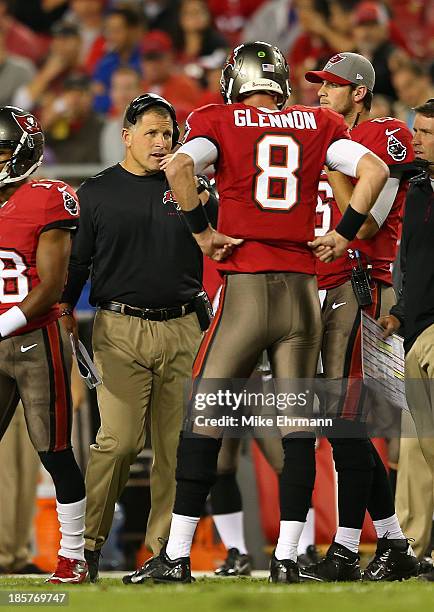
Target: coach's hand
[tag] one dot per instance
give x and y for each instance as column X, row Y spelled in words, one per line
column 329, row 247
column 390, row 324
column 69, row 323
column 215, row 245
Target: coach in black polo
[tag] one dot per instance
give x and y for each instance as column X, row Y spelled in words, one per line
column 145, row 271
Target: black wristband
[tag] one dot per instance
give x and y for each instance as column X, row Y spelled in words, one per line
column 350, row 223
column 197, row 219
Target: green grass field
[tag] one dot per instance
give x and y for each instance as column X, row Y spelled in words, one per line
column 256, row 595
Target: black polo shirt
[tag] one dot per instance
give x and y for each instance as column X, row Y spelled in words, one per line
column 415, row 308
column 135, row 241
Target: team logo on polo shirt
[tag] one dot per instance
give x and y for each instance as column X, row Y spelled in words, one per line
column 169, row 198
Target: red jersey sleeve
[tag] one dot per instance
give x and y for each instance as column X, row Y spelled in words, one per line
column 60, row 207
column 388, row 138
column 202, row 123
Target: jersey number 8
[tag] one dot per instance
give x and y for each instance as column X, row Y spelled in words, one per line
column 276, row 184
column 14, row 284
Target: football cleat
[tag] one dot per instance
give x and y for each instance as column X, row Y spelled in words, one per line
column 339, row 565
column 92, row 560
column 235, row 564
column 284, row 570
column 310, row 557
column 428, row 577
column 392, row 561
column 161, row 569
column 71, row 571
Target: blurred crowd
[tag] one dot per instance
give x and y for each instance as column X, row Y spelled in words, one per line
column 77, row 63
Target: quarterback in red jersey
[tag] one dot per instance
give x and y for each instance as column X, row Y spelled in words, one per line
column 268, row 161
column 347, row 84
column 36, row 222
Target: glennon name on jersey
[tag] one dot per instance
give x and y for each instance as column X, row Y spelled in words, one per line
column 297, row 119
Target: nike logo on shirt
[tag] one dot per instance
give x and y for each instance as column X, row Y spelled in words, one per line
column 334, row 305
column 390, row 132
column 24, row 349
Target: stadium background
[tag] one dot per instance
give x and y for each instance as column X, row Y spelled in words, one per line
column 76, row 64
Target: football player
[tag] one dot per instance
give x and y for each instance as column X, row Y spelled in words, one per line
column 37, row 219
column 268, row 164
column 347, row 83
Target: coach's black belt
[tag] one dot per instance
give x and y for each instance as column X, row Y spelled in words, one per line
column 150, row 314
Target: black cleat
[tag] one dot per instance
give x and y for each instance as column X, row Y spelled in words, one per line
column 310, row 557
column 428, row 576
column 284, row 570
column 339, row 565
column 392, row 561
column 92, row 559
column 235, row 564
column 161, row 569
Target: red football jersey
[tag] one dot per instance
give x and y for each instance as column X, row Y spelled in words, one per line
column 390, row 139
column 267, row 174
column 35, row 207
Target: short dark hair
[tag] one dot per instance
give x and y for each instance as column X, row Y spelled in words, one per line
column 130, row 16
column 426, row 109
column 367, row 99
column 157, row 109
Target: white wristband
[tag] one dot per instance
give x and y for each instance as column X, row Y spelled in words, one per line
column 11, row 320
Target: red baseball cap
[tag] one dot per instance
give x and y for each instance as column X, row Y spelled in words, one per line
column 370, row 12
column 156, row 42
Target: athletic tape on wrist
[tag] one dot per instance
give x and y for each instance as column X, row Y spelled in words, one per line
column 11, row 320
column 197, row 219
column 350, row 223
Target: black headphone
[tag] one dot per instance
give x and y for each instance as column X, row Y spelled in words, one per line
column 140, row 104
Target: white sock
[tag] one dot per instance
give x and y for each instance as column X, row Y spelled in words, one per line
column 307, row 537
column 348, row 537
column 389, row 528
column 231, row 530
column 71, row 519
column 289, row 535
column 181, row 535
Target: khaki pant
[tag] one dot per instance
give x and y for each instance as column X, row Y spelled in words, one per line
column 419, row 388
column 144, row 366
column 414, row 489
column 19, row 468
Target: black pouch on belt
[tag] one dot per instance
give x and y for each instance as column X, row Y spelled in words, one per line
column 203, row 308
column 360, row 281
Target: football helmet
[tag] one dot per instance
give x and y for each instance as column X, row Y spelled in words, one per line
column 21, row 133
column 253, row 67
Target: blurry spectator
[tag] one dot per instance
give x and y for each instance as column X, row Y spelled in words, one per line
column 125, row 85
column 62, row 60
column 371, row 34
column 211, row 77
column 161, row 15
column 413, row 86
column 89, row 17
column 275, row 22
column 416, row 20
column 230, row 16
column 381, row 106
column 14, row 72
column 196, row 37
column 72, row 128
column 122, row 32
column 313, row 45
column 160, row 74
column 39, row 15
column 19, row 39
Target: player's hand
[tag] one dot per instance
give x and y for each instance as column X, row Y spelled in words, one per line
column 390, row 325
column 69, row 323
column 215, row 245
column 329, row 247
